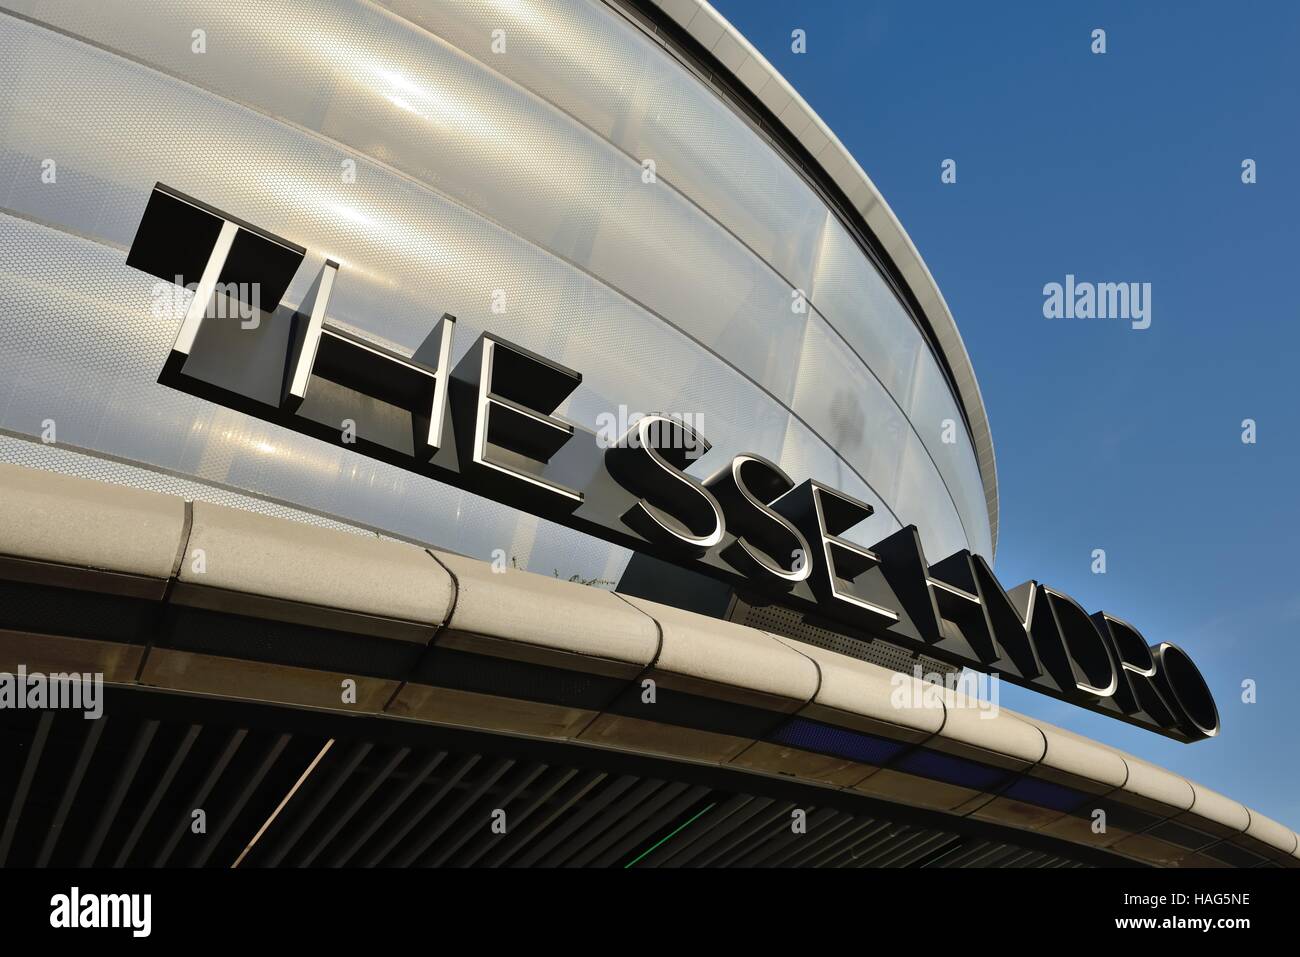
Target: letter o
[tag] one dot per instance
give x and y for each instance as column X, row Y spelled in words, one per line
column 1178, row 676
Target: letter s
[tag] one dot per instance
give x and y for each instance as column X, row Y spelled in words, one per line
column 746, row 488
column 674, row 508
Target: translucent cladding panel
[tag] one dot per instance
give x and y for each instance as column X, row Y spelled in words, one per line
column 80, row 344
column 390, row 91
column 32, row 454
column 586, row 59
column 858, row 303
column 921, row 503
column 408, row 254
column 856, row 300
column 610, row 76
column 80, row 337
column 859, row 419
column 931, row 407
column 802, row 461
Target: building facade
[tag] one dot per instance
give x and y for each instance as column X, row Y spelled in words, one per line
column 551, row 172
column 625, row 187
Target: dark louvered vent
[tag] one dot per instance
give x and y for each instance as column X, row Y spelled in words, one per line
column 279, row 787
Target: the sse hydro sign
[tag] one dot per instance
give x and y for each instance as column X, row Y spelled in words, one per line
column 487, row 425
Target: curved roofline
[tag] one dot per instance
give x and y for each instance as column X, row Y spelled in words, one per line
column 89, row 536
column 826, row 158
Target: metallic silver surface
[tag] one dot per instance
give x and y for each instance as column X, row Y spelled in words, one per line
column 33, row 454
column 478, row 175
column 791, row 117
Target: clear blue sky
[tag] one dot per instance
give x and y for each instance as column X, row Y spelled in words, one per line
column 1122, row 167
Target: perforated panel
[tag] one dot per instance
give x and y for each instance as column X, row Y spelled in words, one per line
column 29, row 453
column 783, row 621
column 660, row 305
